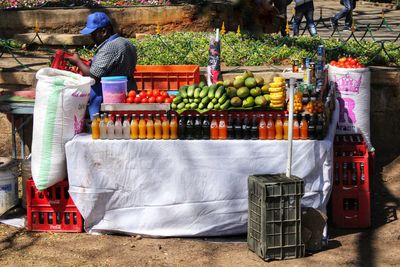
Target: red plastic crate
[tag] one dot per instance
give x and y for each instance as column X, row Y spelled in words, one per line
column 351, row 172
column 50, row 219
column 52, row 209
column 166, row 77
column 60, row 63
column 351, row 209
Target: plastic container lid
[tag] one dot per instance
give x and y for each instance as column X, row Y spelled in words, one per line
column 114, row 78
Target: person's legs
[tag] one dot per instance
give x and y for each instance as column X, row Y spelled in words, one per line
column 298, row 16
column 349, row 16
column 312, row 29
column 348, row 5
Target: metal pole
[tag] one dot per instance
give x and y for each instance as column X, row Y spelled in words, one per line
column 290, row 128
column 13, row 142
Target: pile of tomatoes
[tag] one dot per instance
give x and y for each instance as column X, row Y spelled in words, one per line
column 149, row 96
column 347, row 62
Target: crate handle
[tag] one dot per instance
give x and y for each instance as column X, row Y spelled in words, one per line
column 349, row 188
column 351, row 217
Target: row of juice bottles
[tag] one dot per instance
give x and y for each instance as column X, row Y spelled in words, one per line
column 242, row 127
column 201, row 127
column 136, row 128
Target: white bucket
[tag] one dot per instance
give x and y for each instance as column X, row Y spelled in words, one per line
column 8, row 185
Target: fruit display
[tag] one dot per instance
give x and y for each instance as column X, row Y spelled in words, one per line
column 277, row 91
column 315, row 106
column 149, row 96
column 201, row 97
column 298, row 105
column 347, row 62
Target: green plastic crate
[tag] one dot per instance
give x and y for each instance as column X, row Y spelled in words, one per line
column 274, row 221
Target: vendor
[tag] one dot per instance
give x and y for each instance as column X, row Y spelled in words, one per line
column 115, row 56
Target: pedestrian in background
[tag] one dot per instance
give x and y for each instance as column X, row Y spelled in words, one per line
column 347, row 11
column 281, row 6
column 304, row 8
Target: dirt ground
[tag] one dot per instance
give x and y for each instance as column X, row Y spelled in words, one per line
column 377, row 246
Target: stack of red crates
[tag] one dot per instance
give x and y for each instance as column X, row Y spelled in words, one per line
column 52, row 209
column 351, row 203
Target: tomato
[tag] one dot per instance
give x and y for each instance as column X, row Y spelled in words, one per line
column 172, row 96
column 168, row 100
column 137, row 99
column 149, row 93
column 144, row 100
column 333, row 63
column 160, row 99
column 156, row 92
column 163, row 93
column 340, row 65
column 132, row 94
column 342, row 59
column 130, row 99
column 361, row 65
column 142, row 94
column 152, row 99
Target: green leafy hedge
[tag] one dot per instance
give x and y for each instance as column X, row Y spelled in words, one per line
column 244, row 50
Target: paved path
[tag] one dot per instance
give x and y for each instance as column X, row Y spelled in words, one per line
column 364, row 14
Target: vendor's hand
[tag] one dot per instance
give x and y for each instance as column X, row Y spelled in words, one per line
column 74, row 59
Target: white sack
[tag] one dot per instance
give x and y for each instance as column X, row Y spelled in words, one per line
column 353, row 94
column 60, row 106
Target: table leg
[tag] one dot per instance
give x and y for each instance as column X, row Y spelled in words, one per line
column 13, row 142
column 21, row 135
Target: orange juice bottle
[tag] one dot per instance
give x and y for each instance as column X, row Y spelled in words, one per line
column 142, row 127
column 95, row 127
column 173, row 127
column 304, row 128
column 270, row 128
column 150, row 127
column 165, row 127
column 134, row 127
column 262, row 128
column 278, row 128
column 157, row 127
column 286, row 127
column 222, row 130
column 214, row 127
column 296, row 128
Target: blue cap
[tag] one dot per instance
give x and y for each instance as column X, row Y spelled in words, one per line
column 95, row 21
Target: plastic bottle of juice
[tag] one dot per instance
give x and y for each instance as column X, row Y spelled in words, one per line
column 197, row 127
column 142, row 127
column 118, row 127
column 134, row 127
column 110, row 128
column 102, row 127
column 246, row 127
column 106, row 118
column 157, row 127
column 296, row 128
column 270, row 128
column 222, row 130
column 95, row 128
column 165, row 127
column 150, row 127
column 173, row 127
column 303, row 128
column 278, row 127
column 214, row 127
column 126, row 128
column 98, row 117
column 229, row 127
column 262, row 128
column 286, row 127
column 182, row 127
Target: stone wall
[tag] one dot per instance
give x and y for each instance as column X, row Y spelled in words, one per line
column 143, row 19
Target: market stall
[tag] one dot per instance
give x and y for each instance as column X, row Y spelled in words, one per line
column 185, row 187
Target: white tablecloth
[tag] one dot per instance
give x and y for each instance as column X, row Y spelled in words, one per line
column 182, row 187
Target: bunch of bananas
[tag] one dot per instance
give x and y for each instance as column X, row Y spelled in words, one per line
column 277, row 91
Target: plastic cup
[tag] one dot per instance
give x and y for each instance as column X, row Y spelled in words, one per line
column 114, row 89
